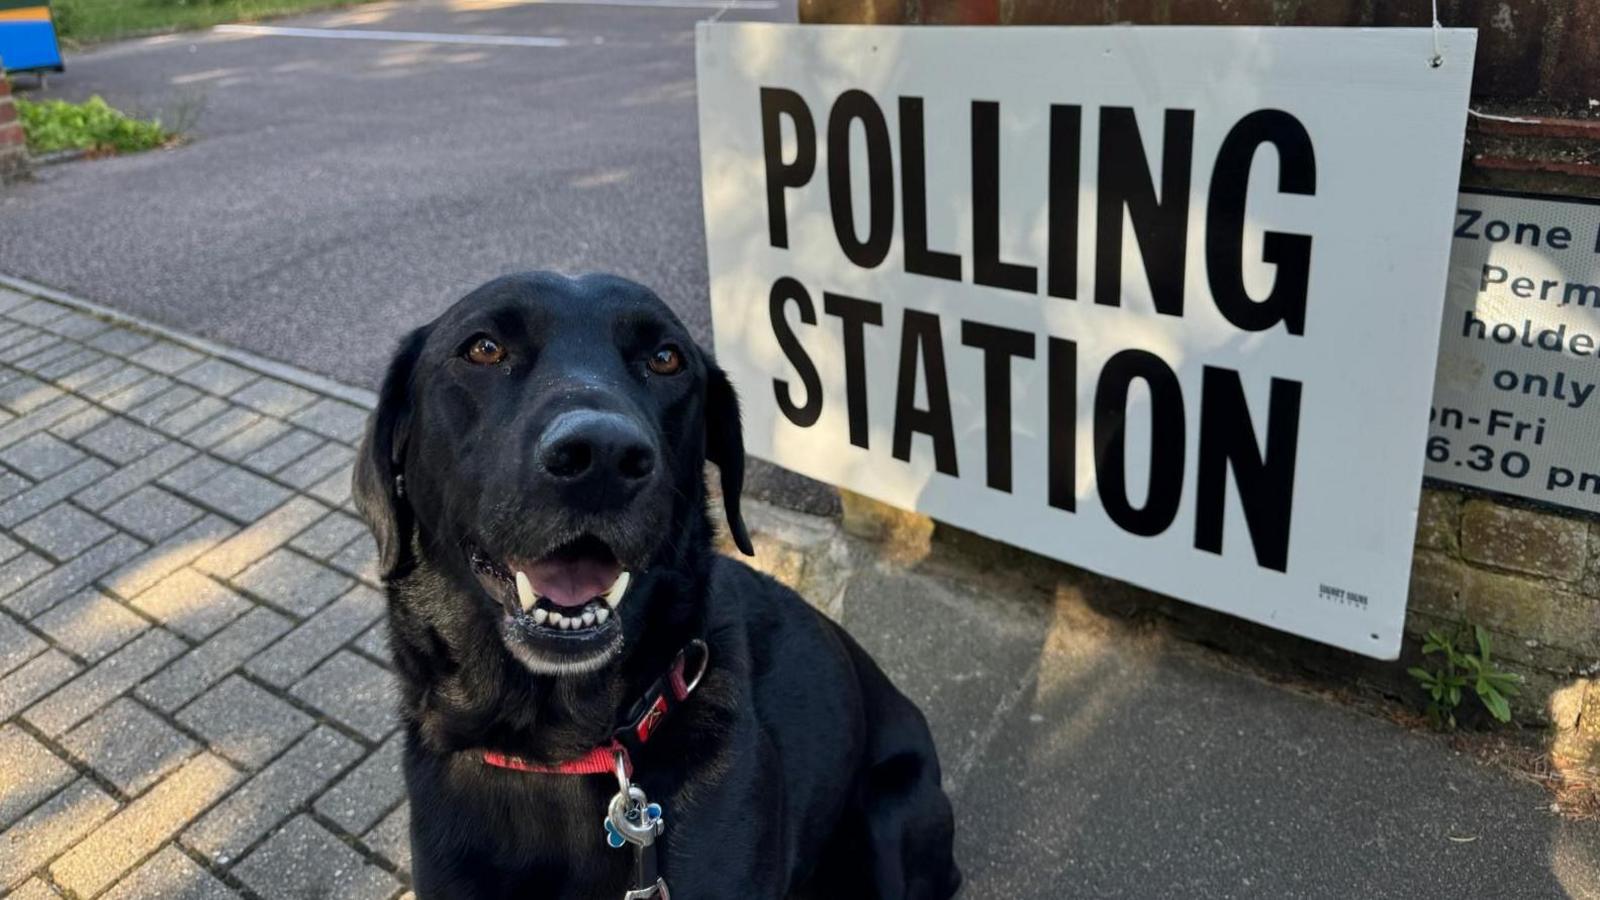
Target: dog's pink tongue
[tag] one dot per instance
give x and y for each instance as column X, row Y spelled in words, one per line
column 571, row 583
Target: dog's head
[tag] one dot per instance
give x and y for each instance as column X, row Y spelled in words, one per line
column 540, row 446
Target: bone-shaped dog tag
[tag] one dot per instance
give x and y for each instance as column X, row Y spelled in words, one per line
column 632, row 819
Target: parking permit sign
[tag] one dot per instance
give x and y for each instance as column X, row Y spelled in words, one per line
column 1515, row 407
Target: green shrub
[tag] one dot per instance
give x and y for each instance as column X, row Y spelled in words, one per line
column 1451, row 671
column 85, row 21
column 93, row 125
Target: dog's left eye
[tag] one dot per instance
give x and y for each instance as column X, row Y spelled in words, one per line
column 666, row 361
column 486, row 351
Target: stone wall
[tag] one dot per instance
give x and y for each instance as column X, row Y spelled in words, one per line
column 1532, row 578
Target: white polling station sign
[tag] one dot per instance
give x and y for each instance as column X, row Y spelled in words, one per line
column 1515, row 407
column 1160, row 302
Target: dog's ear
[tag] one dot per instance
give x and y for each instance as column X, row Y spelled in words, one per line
column 725, row 447
column 379, row 482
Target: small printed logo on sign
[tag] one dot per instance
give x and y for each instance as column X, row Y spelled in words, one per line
column 1342, row 596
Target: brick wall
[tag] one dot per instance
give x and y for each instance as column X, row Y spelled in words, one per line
column 13, row 150
column 1529, row 51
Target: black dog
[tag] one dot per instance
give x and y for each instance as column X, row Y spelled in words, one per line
column 533, row 476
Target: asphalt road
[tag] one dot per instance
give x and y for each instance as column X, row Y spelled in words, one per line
column 338, row 192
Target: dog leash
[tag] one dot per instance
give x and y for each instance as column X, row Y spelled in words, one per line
column 631, row 819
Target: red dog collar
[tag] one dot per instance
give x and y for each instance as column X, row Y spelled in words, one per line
column 599, row 761
column 663, row 696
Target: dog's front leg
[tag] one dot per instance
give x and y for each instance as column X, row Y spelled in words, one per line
column 436, row 882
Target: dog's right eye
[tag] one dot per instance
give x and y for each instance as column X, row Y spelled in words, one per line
column 486, row 351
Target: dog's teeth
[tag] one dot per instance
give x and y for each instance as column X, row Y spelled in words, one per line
column 525, row 594
column 588, row 617
column 539, row 616
column 568, row 623
column 617, row 589
column 602, row 614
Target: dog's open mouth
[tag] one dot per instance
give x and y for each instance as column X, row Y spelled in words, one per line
column 575, row 588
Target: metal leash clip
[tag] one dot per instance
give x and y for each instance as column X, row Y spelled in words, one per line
column 632, row 819
column 657, row 891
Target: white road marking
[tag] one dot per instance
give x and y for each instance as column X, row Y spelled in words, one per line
column 426, row 37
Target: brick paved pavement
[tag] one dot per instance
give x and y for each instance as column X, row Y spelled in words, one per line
column 195, row 702
column 194, row 691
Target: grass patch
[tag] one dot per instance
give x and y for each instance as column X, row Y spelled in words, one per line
column 85, row 21
column 93, row 125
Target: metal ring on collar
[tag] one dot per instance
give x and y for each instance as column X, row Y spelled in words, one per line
column 703, row 663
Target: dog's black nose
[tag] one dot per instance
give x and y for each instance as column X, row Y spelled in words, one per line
column 585, row 444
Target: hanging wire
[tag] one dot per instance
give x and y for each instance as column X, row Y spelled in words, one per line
column 1438, row 60
column 1438, row 52
column 1491, row 116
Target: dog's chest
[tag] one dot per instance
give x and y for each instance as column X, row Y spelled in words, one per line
column 520, row 835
